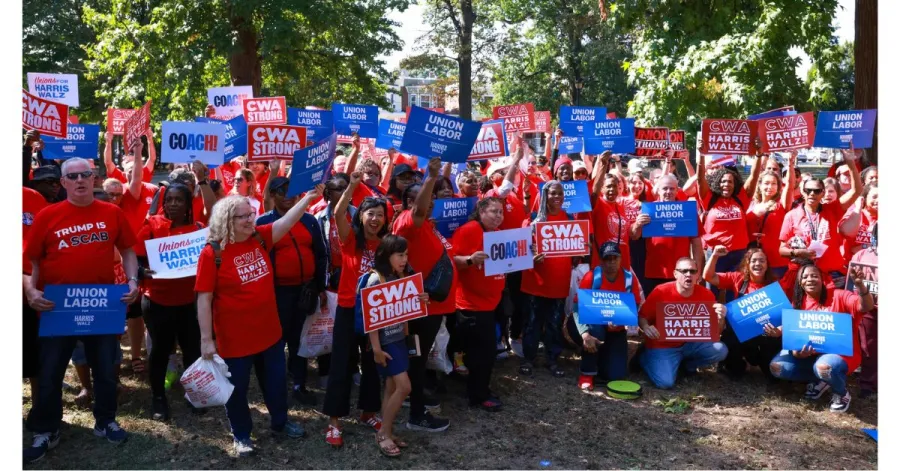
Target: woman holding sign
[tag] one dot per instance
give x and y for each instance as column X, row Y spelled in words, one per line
column 766, row 214
column 168, row 304
column 235, row 282
column 828, row 371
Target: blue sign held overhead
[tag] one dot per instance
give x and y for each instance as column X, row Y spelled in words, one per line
column 835, row 129
column 319, row 124
column 360, row 119
column 390, row 134
column 570, row 145
column 432, row 134
column 312, row 165
column 573, row 118
column 235, row 136
column 606, row 308
column 576, row 194
column 82, row 141
column 772, row 114
column 748, row 314
column 448, row 214
column 671, row 219
column 84, row 310
column 826, row 332
column 615, row 135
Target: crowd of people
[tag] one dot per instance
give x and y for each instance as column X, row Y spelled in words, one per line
column 271, row 260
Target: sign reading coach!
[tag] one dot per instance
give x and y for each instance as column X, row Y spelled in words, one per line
column 50, row 118
column 438, row 135
column 58, row 88
column 228, row 100
column 81, row 141
column 184, row 142
column 392, row 302
column 615, row 135
column 84, row 310
column 359, row 119
column 826, row 332
column 836, row 129
column 563, row 238
column 671, row 219
column 687, row 322
column 748, row 314
column 176, row 256
column 274, row 141
column 508, row 251
column 312, row 165
column 268, row 110
column 606, row 308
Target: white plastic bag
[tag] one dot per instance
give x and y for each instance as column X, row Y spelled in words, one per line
column 206, row 382
column 318, row 330
column 437, row 357
column 577, row 274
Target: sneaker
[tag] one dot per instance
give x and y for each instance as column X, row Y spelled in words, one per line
column 305, row 397
column 291, row 430
column 160, row 409
column 112, row 432
column 372, row 421
column 243, row 448
column 490, row 405
column 839, row 403
column 816, row 390
column 333, row 437
column 459, row 366
column 586, row 383
column 516, row 346
column 42, row 442
column 431, row 402
column 427, row 423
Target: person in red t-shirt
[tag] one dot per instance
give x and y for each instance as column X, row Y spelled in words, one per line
column 606, row 346
column 197, row 179
column 662, row 360
column 168, row 304
column 767, row 212
column 608, row 221
column 867, row 219
column 358, row 241
column 146, row 171
column 868, row 326
column 245, row 185
column 236, row 298
column 477, row 298
column 32, row 204
column 74, row 242
column 828, row 371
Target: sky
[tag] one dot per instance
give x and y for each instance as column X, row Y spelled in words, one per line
column 411, row 28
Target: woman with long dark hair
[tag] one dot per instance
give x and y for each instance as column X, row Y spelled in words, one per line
column 766, row 214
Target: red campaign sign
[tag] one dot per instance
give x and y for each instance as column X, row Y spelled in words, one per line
column 542, row 121
column 517, row 117
column 393, row 302
column 274, row 141
column 677, row 143
column 73, row 119
column 728, row 136
column 342, row 139
column 786, row 132
column 490, row 143
column 136, row 126
column 563, row 238
column 651, row 142
column 115, row 119
column 687, row 322
column 48, row 117
column 611, row 115
column 266, row 110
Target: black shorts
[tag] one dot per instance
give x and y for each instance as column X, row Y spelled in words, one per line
column 30, row 344
column 134, row 309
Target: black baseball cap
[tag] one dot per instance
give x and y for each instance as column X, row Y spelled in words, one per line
column 46, row 172
column 610, row 249
column 401, row 169
column 279, row 182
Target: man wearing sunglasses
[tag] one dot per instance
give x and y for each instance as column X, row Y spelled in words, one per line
column 663, row 360
column 73, row 242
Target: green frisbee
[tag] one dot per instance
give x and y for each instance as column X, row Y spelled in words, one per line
column 627, row 390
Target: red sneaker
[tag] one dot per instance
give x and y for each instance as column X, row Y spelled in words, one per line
column 371, row 420
column 333, row 437
column 586, row 383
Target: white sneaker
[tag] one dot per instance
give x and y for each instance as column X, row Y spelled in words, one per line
column 839, row 403
column 516, row 346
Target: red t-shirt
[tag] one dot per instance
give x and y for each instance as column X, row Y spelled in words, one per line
column 76, row 244
column 146, row 175
column 864, row 235
column 870, row 257
column 354, row 264
column 619, row 285
column 198, row 208
column 732, row 281
column 245, row 316
column 725, row 223
column 796, row 224
column 171, row 292
column 226, row 174
column 426, row 245
column 667, row 292
column 32, row 204
column 609, row 224
column 363, row 191
column 513, row 211
column 295, row 262
column 476, row 292
column 663, row 253
column 631, row 208
column 770, row 227
column 550, row 278
column 136, row 209
column 844, row 301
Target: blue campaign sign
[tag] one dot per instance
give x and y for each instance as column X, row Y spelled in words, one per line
column 84, row 310
column 836, row 129
column 185, row 142
column 390, row 134
column 448, row 214
column 235, row 135
column 360, row 119
column 432, row 134
column 319, row 124
column 616, row 135
column 671, row 219
column 312, row 165
column 606, row 307
column 455, row 169
column 82, row 141
column 827, row 332
column 771, row 114
column 748, row 314
column 577, row 197
column 570, row 145
column 573, row 118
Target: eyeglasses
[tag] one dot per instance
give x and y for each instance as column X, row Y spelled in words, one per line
column 376, row 199
column 84, row 175
column 813, row 191
column 115, row 195
column 687, row 271
column 247, row 216
column 238, row 180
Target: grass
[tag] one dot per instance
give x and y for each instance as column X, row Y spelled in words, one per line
column 719, row 424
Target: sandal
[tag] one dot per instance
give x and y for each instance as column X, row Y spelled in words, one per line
column 137, row 366
column 397, row 441
column 525, row 369
column 387, row 446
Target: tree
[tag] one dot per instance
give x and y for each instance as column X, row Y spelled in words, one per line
column 831, row 88
column 866, row 58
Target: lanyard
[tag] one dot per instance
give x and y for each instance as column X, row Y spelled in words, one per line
column 813, row 229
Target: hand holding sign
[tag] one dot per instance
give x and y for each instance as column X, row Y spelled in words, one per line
column 37, row 301
column 806, row 352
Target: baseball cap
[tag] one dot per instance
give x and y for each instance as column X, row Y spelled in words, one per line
column 610, row 249
column 46, row 172
column 279, row 182
column 497, row 166
column 401, row 169
column 578, row 165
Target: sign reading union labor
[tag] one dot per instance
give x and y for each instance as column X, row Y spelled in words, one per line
column 431, row 134
column 392, row 302
column 687, row 322
column 84, row 310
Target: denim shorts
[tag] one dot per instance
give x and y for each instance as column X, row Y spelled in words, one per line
column 80, row 359
column 399, row 362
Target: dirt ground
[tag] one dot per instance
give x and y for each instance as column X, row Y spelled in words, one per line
column 546, row 423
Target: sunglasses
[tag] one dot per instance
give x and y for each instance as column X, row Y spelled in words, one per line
column 813, row 191
column 376, row 199
column 84, row 175
column 687, row 271
column 238, row 180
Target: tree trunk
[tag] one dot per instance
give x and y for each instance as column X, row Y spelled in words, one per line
column 465, row 59
column 865, row 94
column 244, row 64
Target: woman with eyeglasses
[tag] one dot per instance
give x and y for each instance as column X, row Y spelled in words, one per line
column 828, row 371
column 477, row 298
column 766, row 214
column 236, row 297
column 168, row 304
column 358, row 242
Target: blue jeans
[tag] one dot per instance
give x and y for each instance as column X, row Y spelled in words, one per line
column 270, row 372
column 544, row 324
column 101, row 352
column 661, row 364
column 786, row 366
column 610, row 361
column 730, row 262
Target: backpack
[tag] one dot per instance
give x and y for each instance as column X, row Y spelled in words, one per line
column 598, row 279
column 363, row 282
